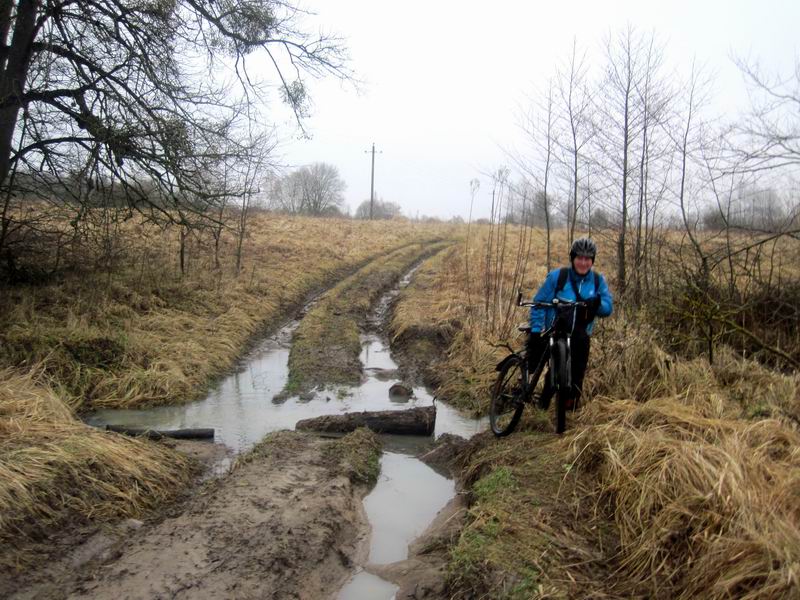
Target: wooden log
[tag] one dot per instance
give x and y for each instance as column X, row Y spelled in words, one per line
column 153, row 434
column 414, row 421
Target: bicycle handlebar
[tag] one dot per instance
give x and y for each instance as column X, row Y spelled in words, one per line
column 554, row 304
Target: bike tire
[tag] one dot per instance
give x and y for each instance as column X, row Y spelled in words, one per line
column 507, row 402
column 563, row 384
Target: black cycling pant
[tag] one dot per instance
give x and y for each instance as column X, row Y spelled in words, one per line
column 579, row 346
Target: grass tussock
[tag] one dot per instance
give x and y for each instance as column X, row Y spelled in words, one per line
column 326, row 346
column 56, row 471
column 705, row 507
column 359, row 456
column 141, row 332
column 627, row 363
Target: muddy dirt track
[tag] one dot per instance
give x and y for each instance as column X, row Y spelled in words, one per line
column 287, row 523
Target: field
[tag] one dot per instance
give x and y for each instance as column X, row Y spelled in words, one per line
column 678, row 478
column 144, row 333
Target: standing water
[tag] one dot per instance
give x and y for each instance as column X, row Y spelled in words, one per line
column 243, row 408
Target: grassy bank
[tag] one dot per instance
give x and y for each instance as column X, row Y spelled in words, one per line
column 326, row 346
column 55, row 471
column 677, row 480
column 682, row 489
column 453, row 316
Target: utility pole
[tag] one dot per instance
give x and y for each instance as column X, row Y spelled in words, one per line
column 372, row 181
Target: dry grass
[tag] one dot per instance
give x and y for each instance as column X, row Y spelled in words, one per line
column 56, row 471
column 705, row 507
column 447, row 305
column 671, row 483
column 528, row 535
column 326, row 346
column 142, row 334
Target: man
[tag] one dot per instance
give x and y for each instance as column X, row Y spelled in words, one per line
column 575, row 283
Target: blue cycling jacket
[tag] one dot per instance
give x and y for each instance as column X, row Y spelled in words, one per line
column 542, row 318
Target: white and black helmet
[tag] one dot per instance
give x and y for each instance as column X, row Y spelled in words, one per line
column 583, row 247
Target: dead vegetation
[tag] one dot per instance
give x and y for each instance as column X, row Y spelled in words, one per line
column 55, row 471
column 679, row 478
column 143, row 333
column 138, row 331
column 454, row 317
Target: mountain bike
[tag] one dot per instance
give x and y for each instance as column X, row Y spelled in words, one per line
column 515, row 385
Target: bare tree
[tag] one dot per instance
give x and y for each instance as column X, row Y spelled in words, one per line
column 381, row 209
column 251, row 175
column 114, row 85
column 539, row 126
column 315, row 189
column 769, row 138
column 575, row 106
column 622, row 117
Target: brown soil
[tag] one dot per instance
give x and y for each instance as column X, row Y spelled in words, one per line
column 287, row 522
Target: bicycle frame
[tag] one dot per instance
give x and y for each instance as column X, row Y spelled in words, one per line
column 509, row 395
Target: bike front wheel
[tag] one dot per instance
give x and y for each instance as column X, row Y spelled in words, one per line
column 508, row 393
column 563, row 383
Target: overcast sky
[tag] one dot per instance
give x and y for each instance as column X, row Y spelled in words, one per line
column 444, row 81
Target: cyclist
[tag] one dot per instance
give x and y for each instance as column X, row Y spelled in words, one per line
column 578, row 282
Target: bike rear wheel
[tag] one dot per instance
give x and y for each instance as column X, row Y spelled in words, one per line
column 563, row 384
column 507, row 402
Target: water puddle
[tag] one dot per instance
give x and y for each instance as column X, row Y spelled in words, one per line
column 403, row 503
column 242, row 410
column 367, row 587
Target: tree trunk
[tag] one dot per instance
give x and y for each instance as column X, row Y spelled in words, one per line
column 178, row 434
column 15, row 74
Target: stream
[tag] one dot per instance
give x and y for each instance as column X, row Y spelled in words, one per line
column 243, row 408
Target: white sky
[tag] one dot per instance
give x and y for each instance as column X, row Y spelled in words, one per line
column 444, row 81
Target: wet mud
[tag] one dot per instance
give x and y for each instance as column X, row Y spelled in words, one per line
column 287, row 522
column 280, row 519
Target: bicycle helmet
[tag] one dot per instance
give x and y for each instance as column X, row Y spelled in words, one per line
column 583, row 247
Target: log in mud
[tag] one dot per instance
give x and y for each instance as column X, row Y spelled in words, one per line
column 420, row 420
column 204, row 433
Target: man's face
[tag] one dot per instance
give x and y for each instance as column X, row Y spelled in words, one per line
column 582, row 264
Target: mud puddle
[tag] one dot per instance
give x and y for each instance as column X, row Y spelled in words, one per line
column 243, row 408
column 403, row 503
